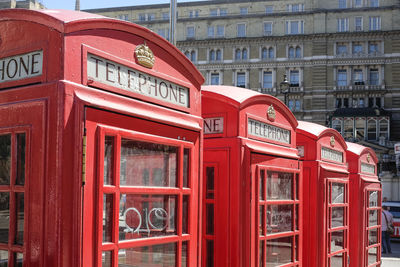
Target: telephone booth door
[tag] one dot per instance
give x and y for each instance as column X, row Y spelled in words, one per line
column 372, row 230
column 141, row 181
column 277, row 211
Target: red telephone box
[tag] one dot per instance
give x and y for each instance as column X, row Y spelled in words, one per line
column 252, row 185
column 100, row 129
column 365, row 206
column 325, row 196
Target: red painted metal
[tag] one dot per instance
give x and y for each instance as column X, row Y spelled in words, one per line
column 56, row 104
column 365, row 206
column 325, row 217
column 248, row 139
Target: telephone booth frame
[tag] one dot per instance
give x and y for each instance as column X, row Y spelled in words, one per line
column 87, row 103
column 365, row 206
column 325, row 195
column 251, row 169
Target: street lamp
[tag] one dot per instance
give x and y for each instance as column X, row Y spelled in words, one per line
column 284, row 86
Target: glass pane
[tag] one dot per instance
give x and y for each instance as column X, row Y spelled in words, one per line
column 184, row 254
column 186, row 164
column 5, row 159
column 372, row 255
column 261, row 221
column 147, row 216
column 262, row 185
column 4, row 216
column 3, row 258
column 210, row 253
column 279, row 218
column 185, row 215
column 337, row 241
column 18, row 259
column 373, row 218
column 20, row 179
column 148, row 164
column 210, row 172
column 210, row 219
column 108, row 216
column 279, row 251
column 108, row 159
column 337, row 216
column 158, row 255
column 19, row 234
column 279, row 185
column 336, row 261
column 372, row 237
column 106, row 259
column 260, row 254
column 297, row 187
column 373, row 198
column 296, row 219
column 337, row 193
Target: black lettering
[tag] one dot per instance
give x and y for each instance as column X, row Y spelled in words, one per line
column 165, row 94
column 216, row 124
column 142, row 78
column 163, row 85
column 206, row 125
column 154, row 86
column 8, row 68
column 23, row 65
column 109, row 71
column 182, row 98
column 2, row 69
column 174, row 93
column 130, row 78
column 97, row 65
column 34, row 63
column 119, row 75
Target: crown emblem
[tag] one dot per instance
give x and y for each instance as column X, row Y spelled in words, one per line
column 271, row 113
column 144, row 56
column 368, row 157
column 332, row 140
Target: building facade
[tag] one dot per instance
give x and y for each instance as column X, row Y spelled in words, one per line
column 341, row 59
column 28, row 4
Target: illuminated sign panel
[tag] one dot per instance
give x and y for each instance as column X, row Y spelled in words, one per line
column 330, row 154
column 21, row 66
column 268, row 131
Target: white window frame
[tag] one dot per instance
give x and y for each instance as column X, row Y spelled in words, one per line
column 358, row 28
column 272, row 28
column 244, row 10
column 375, row 23
column 269, row 9
column 211, row 76
column 272, row 78
column 187, row 32
column 210, row 32
column 347, row 76
column 373, row 3
column 358, row 3
column 238, row 33
column 341, row 2
column 342, row 24
column 217, row 31
column 300, row 27
column 236, row 78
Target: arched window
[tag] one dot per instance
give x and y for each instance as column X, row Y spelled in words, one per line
column 187, row 54
column 291, row 52
column 271, row 52
column 219, row 55
column 264, row 53
column 244, row 53
column 238, row 54
column 348, row 128
column 371, row 129
column 212, row 55
column 384, row 128
column 193, row 56
column 298, row 52
column 337, row 125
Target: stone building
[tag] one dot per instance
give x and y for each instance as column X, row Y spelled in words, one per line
column 341, row 59
column 28, row 4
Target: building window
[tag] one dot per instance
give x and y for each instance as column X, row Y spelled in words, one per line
column 373, row 48
column 294, row 52
column 210, row 31
column 212, row 55
column 215, row 79
column 217, row 31
column 193, row 13
column 218, row 55
column 291, row 52
column 294, row 27
column 371, row 126
column 241, row 79
column 384, row 128
column 360, row 128
column 269, row 9
column 142, row 17
column 298, row 52
column 215, row 55
column 294, row 104
column 348, row 127
column 218, row 12
column 164, row 33
column 267, row 79
column 267, row 28
column 342, row 77
column 342, row 3
column 343, row 25
column 341, row 49
column 191, row 55
column 151, row 17
column 241, row 54
column 165, row 16
column 244, row 11
column 294, row 78
column 358, row 21
column 337, row 125
column 123, row 17
column 241, row 30
column 358, row 77
column 214, row 12
column 338, row 103
column 220, row 30
column 374, row 102
column 358, row 3
column 295, row 7
column 357, row 48
column 374, row 3
column 190, row 32
column 374, row 23
column 374, row 77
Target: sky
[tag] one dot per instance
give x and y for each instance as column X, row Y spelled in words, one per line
column 90, row 4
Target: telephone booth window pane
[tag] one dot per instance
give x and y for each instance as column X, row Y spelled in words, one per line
column 373, row 198
column 108, row 217
column 337, row 193
column 108, row 159
column 185, row 215
column 148, row 216
column 296, row 219
column 373, row 218
column 336, row 260
column 158, row 255
column 106, row 259
column 184, row 254
column 279, row 218
column 18, row 259
column 372, row 255
column 279, row 251
column 186, row 164
column 297, row 187
column 20, row 179
column 4, row 216
column 262, row 185
column 5, row 159
column 210, row 173
column 279, row 185
column 261, row 221
column 337, row 241
column 337, row 216
column 372, row 237
column 19, row 234
column 260, row 254
column 3, row 258
column 210, row 219
column 136, row 157
column 210, row 253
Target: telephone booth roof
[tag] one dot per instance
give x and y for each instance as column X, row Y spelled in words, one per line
column 360, row 158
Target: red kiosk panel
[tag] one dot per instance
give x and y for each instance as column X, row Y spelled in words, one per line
column 100, row 128
column 252, row 180
column 325, row 196
column 365, row 206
